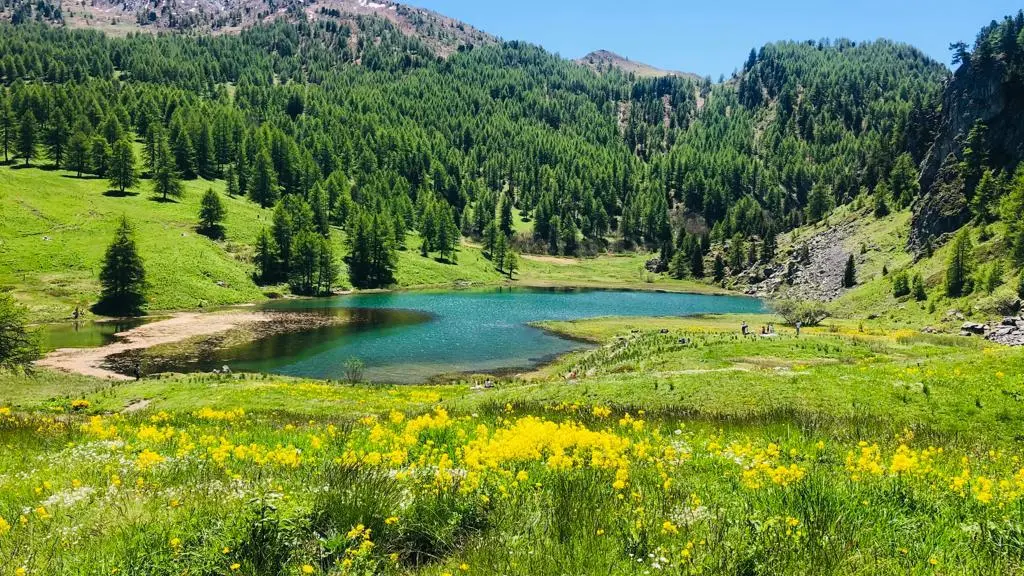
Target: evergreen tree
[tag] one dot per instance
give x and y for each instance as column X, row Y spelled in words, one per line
column 960, row 265
column 211, row 215
column 719, row 269
column 1012, row 209
column 736, row 253
column 903, row 181
column 57, row 137
column 99, row 155
column 7, row 127
column 265, row 259
column 679, row 267
column 506, row 223
column 231, row 181
column 28, row 139
column 490, row 238
column 122, row 166
column 123, row 277
column 19, row 347
column 328, row 270
column 696, row 261
column 264, row 186
column 500, row 251
column 321, row 211
column 511, row 263
column 881, row 200
column 984, row 197
column 372, row 255
column 305, row 263
column 78, row 153
column 819, row 202
column 166, row 180
column 918, row 289
column 850, row 273
column 900, row 284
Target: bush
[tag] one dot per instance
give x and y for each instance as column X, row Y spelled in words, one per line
column 808, row 313
column 900, row 284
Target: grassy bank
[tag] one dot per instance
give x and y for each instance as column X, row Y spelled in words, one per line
column 842, row 451
column 55, row 228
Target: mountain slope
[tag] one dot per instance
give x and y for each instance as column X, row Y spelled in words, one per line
column 602, row 60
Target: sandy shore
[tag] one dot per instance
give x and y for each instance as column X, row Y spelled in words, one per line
column 179, row 327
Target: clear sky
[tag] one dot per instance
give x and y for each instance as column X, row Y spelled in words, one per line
column 712, row 37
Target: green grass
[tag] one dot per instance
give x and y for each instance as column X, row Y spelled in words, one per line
column 55, row 228
column 881, row 451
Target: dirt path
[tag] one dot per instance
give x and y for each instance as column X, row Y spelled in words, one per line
column 181, row 326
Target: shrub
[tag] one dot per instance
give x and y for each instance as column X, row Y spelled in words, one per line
column 18, row 347
column 900, row 284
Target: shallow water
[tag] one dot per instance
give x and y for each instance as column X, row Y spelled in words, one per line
column 85, row 333
column 409, row 337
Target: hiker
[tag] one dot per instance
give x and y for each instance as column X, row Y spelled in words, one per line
column 743, row 328
column 798, row 325
column 76, row 314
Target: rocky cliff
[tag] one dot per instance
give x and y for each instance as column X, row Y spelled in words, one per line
column 991, row 93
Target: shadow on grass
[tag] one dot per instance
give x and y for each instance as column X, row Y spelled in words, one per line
column 162, row 200
column 82, row 177
column 120, row 194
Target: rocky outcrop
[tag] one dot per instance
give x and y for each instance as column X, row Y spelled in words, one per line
column 989, row 94
column 819, row 277
column 1009, row 332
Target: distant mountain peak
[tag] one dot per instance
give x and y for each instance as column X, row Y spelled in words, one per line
column 601, row 60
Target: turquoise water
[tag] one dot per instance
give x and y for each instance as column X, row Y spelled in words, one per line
column 406, row 337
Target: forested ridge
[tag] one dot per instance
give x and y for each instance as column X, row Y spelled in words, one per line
column 380, row 136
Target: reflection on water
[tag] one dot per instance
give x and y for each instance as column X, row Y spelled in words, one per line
column 406, row 337
column 85, row 334
column 409, row 337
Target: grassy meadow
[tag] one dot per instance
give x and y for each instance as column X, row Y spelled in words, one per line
column 848, row 450
column 55, row 229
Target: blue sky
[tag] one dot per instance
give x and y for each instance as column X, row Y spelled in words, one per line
column 714, row 37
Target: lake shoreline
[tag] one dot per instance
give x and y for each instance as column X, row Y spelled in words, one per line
column 116, row 360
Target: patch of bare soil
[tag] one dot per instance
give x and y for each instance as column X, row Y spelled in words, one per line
column 178, row 328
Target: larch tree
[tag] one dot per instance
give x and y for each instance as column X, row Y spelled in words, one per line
column 123, row 277
column 28, row 137
column 211, row 215
column 123, row 174
column 166, row 179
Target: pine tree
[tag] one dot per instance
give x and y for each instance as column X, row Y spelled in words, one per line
column 123, row 277
column 500, row 250
column 881, row 208
column 28, row 139
column 211, row 215
column 166, row 180
column 231, row 181
column 511, row 263
column 960, row 265
column 321, row 211
column 506, row 224
column 903, row 181
column 7, row 127
column 678, row 268
column 122, row 166
column 305, row 262
column 99, row 155
column 696, row 260
column 57, row 138
column 265, row 259
column 719, row 269
column 850, row 273
column 819, row 202
column 328, row 272
column 78, row 153
column 19, row 346
column 918, row 289
column 984, row 197
column 264, row 186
